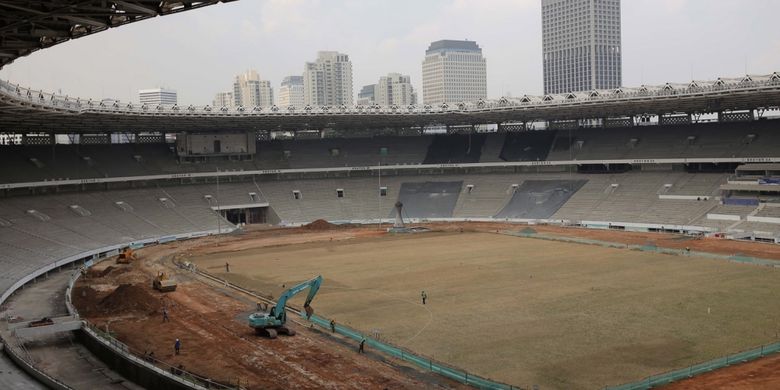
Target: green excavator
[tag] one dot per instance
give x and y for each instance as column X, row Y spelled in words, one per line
column 269, row 324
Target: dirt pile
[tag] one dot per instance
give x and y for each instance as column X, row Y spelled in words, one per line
column 129, row 298
column 126, row 298
column 108, row 271
column 85, row 299
column 320, row 224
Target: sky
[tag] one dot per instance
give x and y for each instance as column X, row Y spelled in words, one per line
column 199, row 52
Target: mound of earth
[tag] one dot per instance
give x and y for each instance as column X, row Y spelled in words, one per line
column 129, row 298
column 85, row 299
column 320, row 224
column 125, row 299
column 110, row 270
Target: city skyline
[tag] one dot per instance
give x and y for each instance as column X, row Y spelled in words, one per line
column 663, row 41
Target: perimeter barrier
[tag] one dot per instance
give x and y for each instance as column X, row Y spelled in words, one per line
column 420, row 361
column 698, row 369
column 737, row 258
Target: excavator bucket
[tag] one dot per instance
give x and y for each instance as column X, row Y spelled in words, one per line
column 309, row 311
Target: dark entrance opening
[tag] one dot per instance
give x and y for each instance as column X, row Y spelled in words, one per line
column 246, row 215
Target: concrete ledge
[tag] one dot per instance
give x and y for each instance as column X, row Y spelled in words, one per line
column 723, row 217
column 753, row 218
column 39, row 375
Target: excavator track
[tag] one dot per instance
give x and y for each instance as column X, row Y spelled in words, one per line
column 268, row 332
column 286, row 331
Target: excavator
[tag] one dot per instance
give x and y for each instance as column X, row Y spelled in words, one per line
column 163, row 283
column 126, row 256
column 273, row 322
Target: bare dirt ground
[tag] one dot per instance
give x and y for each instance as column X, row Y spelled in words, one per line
column 216, row 341
column 520, row 310
column 762, row 374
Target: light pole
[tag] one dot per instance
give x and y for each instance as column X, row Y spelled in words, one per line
column 219, row 212
column 380, row 194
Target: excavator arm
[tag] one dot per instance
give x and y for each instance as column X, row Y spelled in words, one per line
column 273, row 322
column 313, row 285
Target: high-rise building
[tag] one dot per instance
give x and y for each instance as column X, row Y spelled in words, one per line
column 454, row 71
column 581, row 45
column 223, row 99
column 157, row 96
column 291, row 92
column 366, row 95
column 250, row 91
column 328, row 81
column 395, row 88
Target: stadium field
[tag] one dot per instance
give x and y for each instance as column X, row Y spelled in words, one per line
column 519, row 310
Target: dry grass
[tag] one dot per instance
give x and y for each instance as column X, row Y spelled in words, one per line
column 528, row 311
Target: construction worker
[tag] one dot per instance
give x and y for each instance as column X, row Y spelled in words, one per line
column 177, row 346
column 362, row 345
column 227, row 267
column 333, row 326
column 165, row 315
column 424, row 296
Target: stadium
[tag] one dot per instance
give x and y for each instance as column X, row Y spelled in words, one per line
column 621, row 239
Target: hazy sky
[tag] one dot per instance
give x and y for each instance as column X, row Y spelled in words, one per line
column 198, row 52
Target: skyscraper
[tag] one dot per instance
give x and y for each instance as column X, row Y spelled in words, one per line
column 250, row 91
column 366, row 95
column 291, row 92
column 223, row 99
column 453, row 72
column 328, row 81
column 157, row 96
column 581, row 45
column 394, row 88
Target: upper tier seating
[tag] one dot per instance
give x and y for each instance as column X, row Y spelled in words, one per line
column 456, row 148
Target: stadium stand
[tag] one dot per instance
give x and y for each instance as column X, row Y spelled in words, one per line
column 539, row 199
column 695, row 184
column 491, row 149
column 52, row 162
column 715, row 140
column 527, row 146
column 430, row 199
column 456, row 148
column 484, row 195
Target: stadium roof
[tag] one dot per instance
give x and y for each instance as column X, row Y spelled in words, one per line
column 27, row 26
column 25, row 110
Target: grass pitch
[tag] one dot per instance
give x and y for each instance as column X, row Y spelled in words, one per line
column 527, row 311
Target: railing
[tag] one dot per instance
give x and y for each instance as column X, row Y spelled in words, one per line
column 417, row 359
column 698, row 369
column 78, row 105
column 159, row 366
column 648, row 248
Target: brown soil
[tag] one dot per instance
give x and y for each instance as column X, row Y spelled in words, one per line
column 266, row 269
column 217, row 343
column 123, row 300
column 319, row 224
column 762, row 374
column 210, row 319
